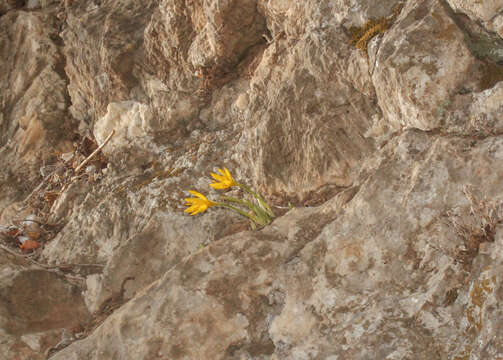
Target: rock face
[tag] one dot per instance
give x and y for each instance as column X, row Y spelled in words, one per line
column 488, row 12
column 35, row 305
column 33, row 97
column 373, row 128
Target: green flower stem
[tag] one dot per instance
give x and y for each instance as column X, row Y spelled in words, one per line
column 262, row 214
column 238, row 201
column 259, row 199
column 251, row 217
column 262, row 217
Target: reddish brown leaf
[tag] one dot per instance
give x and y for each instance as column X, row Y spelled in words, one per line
column 29, row 245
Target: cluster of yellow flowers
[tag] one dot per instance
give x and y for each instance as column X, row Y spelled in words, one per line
column 259, row 212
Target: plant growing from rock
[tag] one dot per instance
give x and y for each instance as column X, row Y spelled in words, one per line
column 360, row 37
column 485, row 215
column 256, row 209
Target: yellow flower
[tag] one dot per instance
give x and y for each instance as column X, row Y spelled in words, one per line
column 224, row 180
column 198, row 204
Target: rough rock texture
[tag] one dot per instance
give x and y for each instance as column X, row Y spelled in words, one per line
column 488, row 12
column 373, row 128
column 33, row 98
column 35, row 305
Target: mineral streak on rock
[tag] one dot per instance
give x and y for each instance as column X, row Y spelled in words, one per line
column 374, row 128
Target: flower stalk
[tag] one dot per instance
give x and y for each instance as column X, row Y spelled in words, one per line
column 256, row 210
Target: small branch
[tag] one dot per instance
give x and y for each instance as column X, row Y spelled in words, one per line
column 10, row 251
column 24, row 257
column 40, row 185
column 283, row 207
column 77, row 169
column 46, row 266
column 18, row 221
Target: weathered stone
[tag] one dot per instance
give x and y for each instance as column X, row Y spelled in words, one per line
column 369, row 278
column 6, row 5
column 35, row 305
column 224, row 288
column 386, row 116
column 206, row 39
column 412, row 254
column 422, row 66
column 497, row 25
column 36, row 101
column 132, row 124
column 104, row 42
column 315, row 105
column 484, row 11
column 111, row 227
column 486, row 111
column 33, row 101
column 148, row 254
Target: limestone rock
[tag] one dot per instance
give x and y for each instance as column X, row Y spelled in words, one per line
column 486, row 11
column 33, row 100
column 104, row 42
column 374, row 129
column 305, row 93
column 36, row 99
column 425, row 83
column 6, row 5
column 217, row 303
column 131, row 123
column 339, row 279
column 486, row 110
column 35, row 305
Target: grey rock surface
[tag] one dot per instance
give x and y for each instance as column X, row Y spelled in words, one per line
column 374, row 129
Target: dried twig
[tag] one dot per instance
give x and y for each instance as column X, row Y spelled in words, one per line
column 41, row 184
column 283, row 207
column 77, row 169
column 10, row 251
column 46, row 266
column 18, row 221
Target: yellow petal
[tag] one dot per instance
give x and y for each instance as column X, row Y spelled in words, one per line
column 199, row 195
column 198, row 204
column 224, row 180
column 217, row 177
column 190, row 209
column 193, row 210
column 219, row 186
